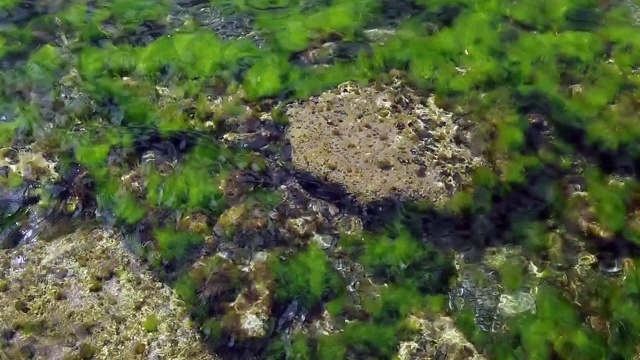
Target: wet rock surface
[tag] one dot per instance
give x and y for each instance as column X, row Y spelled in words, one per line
column 381, row 143
column 84, row 294
column 439, row 339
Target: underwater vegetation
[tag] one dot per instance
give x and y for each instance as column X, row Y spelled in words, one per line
column 136, row 103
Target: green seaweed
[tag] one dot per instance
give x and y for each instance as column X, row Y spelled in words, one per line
column 306, row 277
column 150, row 324
column 398, row 257
column 573, row 61
column 174, row 245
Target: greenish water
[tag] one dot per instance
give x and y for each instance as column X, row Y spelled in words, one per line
column 136, row 101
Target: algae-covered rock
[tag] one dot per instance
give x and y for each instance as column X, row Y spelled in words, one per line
column 85, row 294
column 439, row 339
column 382, row 141
column 252, row 307
column 28, row 165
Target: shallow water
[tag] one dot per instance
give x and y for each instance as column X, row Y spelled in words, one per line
column 170, row 123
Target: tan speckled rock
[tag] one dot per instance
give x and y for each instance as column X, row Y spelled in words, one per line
column 382, row 141
column 84, row 293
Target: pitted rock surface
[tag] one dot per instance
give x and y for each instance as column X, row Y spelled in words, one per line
column 382, row 141
column 84, row 293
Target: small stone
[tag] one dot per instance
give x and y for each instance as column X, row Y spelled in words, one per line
column 349, row 225
column 230, row 219
column 516, row 303
column 301, row 227
column 195, row 223
column 324, row 241
column 252, row 325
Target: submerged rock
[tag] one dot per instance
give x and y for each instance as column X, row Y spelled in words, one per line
column 85, row 294
column 29, row 165
column 381, row 143
column 252, row 307
column 516, row 303
column 439, row 339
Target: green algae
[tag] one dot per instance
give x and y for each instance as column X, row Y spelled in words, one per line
column 307, row 277
column 150, row 324
column 174, row 245
column 417, row 274
column 573, row 60
column 538, row 336
column 396, row 256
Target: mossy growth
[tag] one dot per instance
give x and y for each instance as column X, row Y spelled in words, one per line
column 8, row 4
column 297, row 346
column 293, row 25
column 556, row 330
column 266, row 77
column 386, row 325
column 13, row 180
column 206, row 287
column 195, row 184
column 306, row 277
column 44, row 65
column 479, row 198
column 617, row 302
column 150, row 324
column 30, row 327
column 91, row 149
column 195, row 55
column 186, row 286
column 512, row 275
column 609, row 200
column 394, row 303
column 360, row 339
column 279, row 116
column 417, row 276
column 266, row 199
column 533, row 235
column 213, row 330
column 128, row 14
column 125, row 17
column 175, row 245
column 27, row 118
column 398, row 257
column 363, row 340
column 87, row 351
